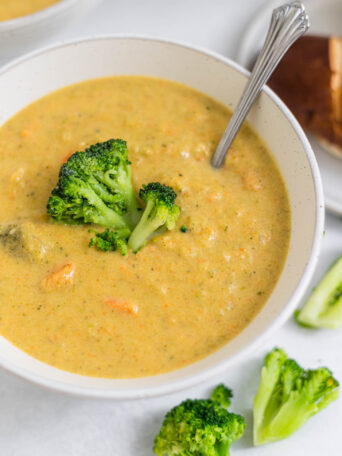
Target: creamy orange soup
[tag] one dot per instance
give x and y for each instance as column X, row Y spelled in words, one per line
column 11, row 9
column 184, row 295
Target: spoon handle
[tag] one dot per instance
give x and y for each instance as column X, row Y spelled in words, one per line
column 288, row 23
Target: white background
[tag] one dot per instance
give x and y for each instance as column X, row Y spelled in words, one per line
column 36, row 422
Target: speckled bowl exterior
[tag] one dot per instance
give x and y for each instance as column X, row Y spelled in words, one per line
column 39, row 73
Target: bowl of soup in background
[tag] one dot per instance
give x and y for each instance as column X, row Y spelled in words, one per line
column 24, row 26
column 40, row 73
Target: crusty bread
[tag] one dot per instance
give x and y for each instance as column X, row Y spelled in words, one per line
column 309, row 80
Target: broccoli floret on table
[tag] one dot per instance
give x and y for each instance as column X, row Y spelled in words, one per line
column 222, row 395
column 198, row 427
column 288, row 396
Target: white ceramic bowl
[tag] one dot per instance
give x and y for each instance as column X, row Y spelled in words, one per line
column 40, row 73
column 27, row 32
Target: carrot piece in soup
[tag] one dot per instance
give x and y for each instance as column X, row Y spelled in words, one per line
column 252, row 181
column 123, row 306
column 61, row 277
column 30, row 130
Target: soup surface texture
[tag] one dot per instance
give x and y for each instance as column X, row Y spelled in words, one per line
column 182, row 296
column 11, row 9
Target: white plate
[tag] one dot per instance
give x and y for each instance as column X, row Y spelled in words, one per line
column 326, row 19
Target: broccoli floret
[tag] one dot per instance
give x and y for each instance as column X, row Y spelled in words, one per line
column 288, row 396
column 323, row 309
column 222, row 395
column 110, row 240
column 198, row 427
column 95, row 186
column 160, row 213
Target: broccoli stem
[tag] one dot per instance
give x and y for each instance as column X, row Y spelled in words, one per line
column 291, row 417
column 269, row 377
column 134, row 210
column 144, row 229
column 222, row 448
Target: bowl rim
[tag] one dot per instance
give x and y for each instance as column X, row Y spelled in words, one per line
column 41, row 15
column 282, row 317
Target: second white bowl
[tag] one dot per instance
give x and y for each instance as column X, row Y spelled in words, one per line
column 28, row 32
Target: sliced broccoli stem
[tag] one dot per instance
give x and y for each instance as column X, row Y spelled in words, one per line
column 269, row 377
column 288, row 396
column 291, row 416
column 323, row 309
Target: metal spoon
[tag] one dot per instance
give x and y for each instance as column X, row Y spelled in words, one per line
column 288, row 23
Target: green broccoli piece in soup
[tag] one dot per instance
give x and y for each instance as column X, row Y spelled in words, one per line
column 288, row 396
column 222, row 395
column 160, row 213
column 110, row 240
column 323, row 309
column 95, row 186
column 198, row 427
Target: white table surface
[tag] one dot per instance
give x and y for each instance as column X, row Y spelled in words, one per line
column 36, row 422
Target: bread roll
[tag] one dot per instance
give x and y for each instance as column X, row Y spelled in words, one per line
column 309, row 80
